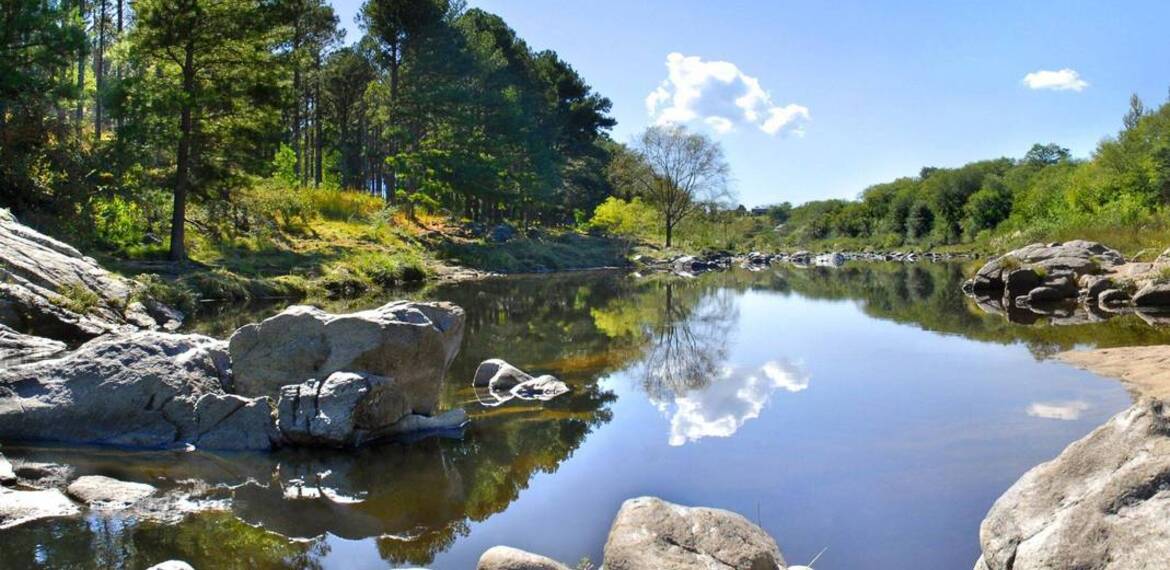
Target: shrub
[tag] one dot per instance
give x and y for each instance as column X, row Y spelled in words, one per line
column 634, row 219
column 78, row 298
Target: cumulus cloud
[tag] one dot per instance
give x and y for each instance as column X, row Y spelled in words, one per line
column 1060, row 80
column 1067, row 411
column 722, row 407
column 720, row 95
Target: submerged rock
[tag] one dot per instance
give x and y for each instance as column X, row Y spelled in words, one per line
column 652, row 533
column 503, row 382
column 508, row 558
column 137, row 390
column 106, row 493
column 19, row 507
column 1101, row 504
column 412, row 343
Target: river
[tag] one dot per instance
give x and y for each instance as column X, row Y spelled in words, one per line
column 870, row 411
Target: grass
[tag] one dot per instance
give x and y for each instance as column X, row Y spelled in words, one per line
column 78, row 298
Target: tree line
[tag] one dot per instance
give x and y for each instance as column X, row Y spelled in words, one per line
column 153, row 106
column 1047, row 193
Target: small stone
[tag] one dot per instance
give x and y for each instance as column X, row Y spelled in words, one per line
column 508, row 558
column 106, row 493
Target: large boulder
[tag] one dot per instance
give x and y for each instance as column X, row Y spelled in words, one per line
column 17, row 348
column 508, row 558
column 344, row 410
column 411, row 343
column 1101, row 504
column 137, row 390
column 652, row 533
column 50, row 289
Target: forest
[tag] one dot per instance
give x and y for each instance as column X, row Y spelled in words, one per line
column 128, row 126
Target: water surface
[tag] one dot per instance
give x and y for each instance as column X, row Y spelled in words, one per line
column 869, row 410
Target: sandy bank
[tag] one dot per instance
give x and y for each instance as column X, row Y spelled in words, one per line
column 1145, row 370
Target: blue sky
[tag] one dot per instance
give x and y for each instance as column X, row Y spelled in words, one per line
column 888, row 87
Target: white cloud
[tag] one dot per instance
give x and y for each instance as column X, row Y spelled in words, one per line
column 722, row 407
column 720, row 95
column 1067, row 411
column 1061, row 80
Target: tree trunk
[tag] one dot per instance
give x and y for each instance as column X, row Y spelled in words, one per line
column 79, row 116
column 669, row 232
column 183, row 160
column 99, row 68
column 319, row 142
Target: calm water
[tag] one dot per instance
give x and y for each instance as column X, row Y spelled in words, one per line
column 869, row 410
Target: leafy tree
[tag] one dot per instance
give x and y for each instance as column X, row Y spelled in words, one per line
column 210, row 64
column 677, row 172
column 1046, row 154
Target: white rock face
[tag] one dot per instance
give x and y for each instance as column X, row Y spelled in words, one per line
column 39, row 274
column 508, row 558
column 19, row 507
column 651, row 533
column 411, row 343
column 1101, row 504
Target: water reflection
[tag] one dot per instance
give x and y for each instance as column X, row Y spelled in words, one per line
column 728, row 401
column 676, row 341
column 1067, row 411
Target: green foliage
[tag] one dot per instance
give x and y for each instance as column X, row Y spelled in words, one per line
column 284, row 166
column 170, row 293
column 77, row 298
column 119, row 223
column 634, row 219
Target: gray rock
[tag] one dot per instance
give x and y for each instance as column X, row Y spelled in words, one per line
column 105, row 493
column 19, row 507
column 1101, row 504
column 40, row 274
column 413, row 343
column 652, row 533
column 135, row 390
column 344, row 410
column 1020, row 281
column 16, row 348
column 1046, row 295
column 508, row 558
column 1094, row 285
column 228, row 422
column 1077, row 257
column 1153, row 295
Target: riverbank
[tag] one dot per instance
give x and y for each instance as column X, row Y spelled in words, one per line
column 1144, row 370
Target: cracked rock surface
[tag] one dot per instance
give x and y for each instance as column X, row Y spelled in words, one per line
column 1101, row 504
column 137, row 390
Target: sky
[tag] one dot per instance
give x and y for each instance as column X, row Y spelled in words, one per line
column 819, row 99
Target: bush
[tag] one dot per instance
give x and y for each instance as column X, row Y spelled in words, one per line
column 343, row 205
column 634, row 219
column 119, row 223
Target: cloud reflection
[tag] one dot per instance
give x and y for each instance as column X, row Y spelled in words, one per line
column 1067, row 411
column 720, row 408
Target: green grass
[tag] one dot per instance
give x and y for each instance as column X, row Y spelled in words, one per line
column 554, row 252
column 78, row 298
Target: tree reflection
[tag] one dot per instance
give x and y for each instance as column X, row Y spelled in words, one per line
column 689, row 344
